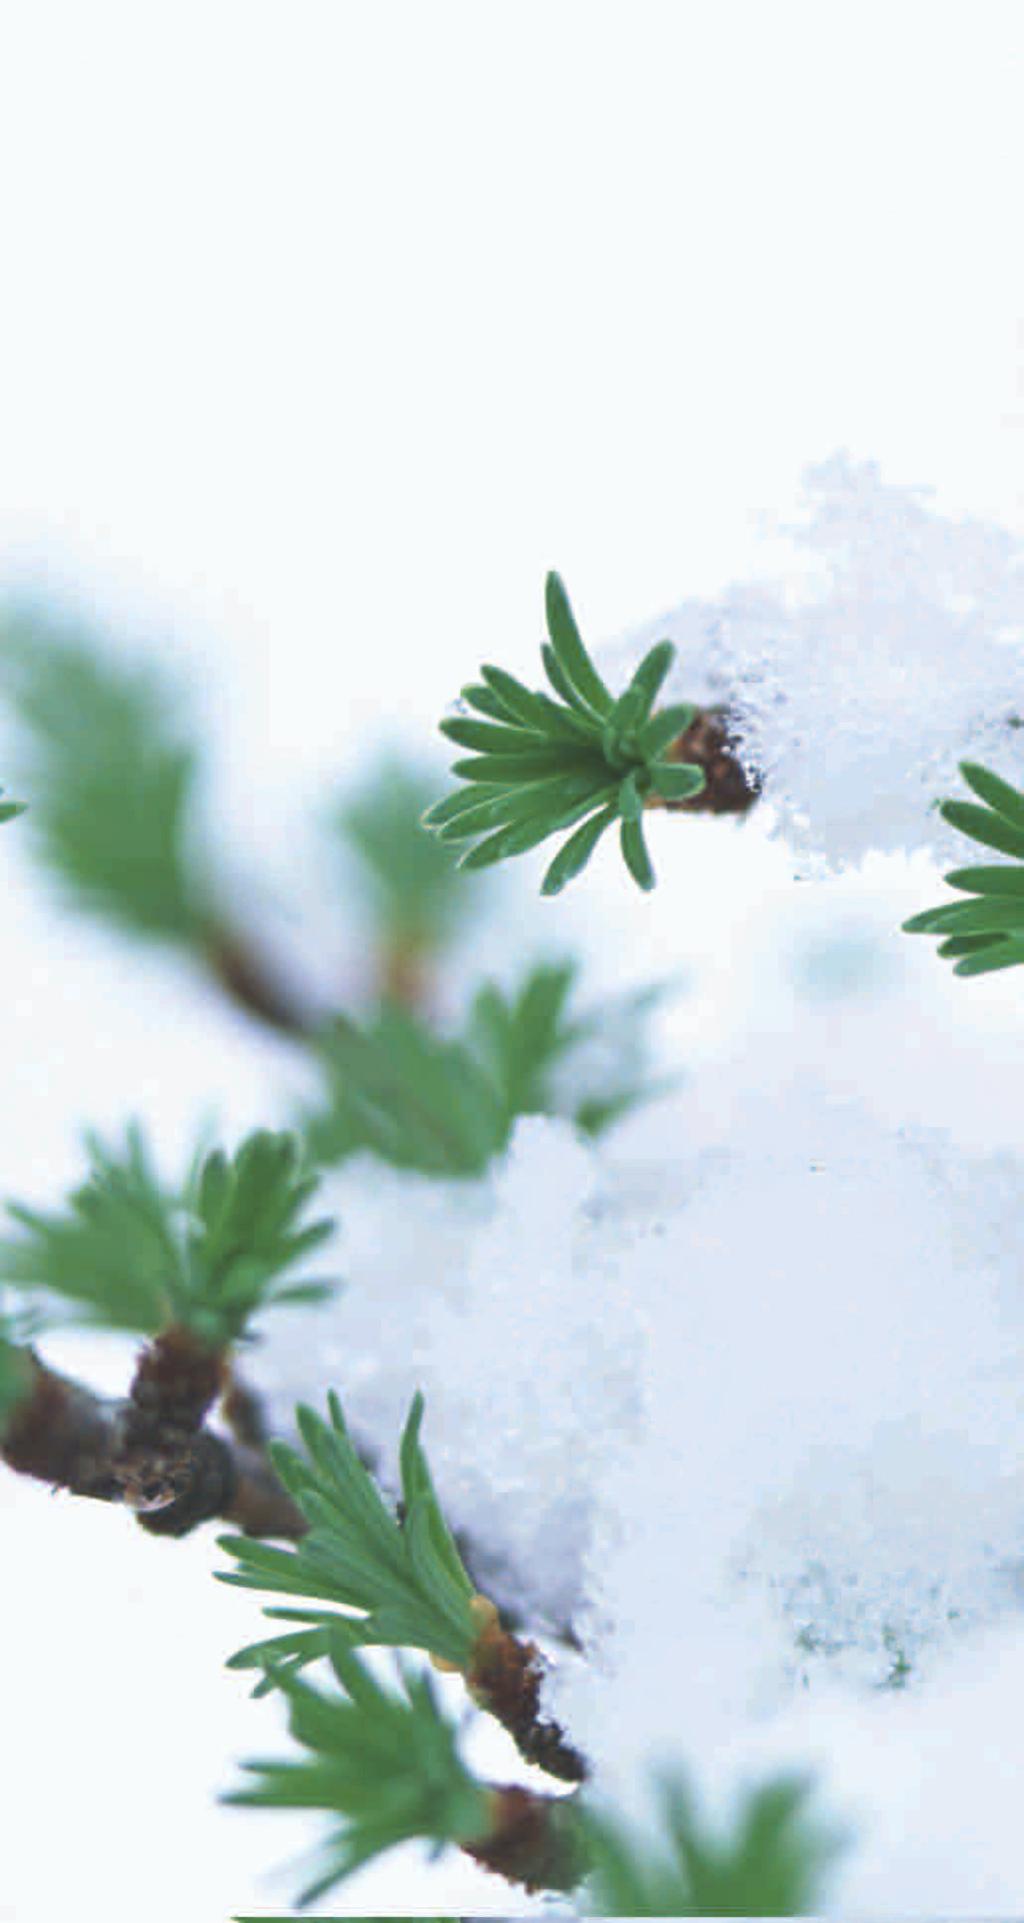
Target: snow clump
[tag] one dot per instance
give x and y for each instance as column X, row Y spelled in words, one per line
column 890, row 650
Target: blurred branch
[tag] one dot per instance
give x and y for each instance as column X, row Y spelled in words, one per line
column 112, row 774
column 418, row 902
column 251, row 983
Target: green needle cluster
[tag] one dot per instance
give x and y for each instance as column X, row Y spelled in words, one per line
column 447, row 1105
column 387, row 1764
column 541, row 762
column 129, row 1253
column 987, row 931
column 404, row 1577
column 772, row 1865
column 110, row 773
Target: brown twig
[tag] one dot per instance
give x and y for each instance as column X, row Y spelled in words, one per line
column 249, row 980
column 504, row 1677
column 260, row 1505
column 63, row 1434
column 404, row 974
column 533, row 1840
column 149, row 1450
column 152, row 1451
column 244, row 1411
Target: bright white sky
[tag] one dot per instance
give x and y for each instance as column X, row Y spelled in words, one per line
column 326, row 328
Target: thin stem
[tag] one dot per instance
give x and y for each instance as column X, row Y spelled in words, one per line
column 252, row 984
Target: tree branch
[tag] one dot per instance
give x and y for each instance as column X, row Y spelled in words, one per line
column 149, row 1450
column 152, row 1452
column 534, row 1840
column 252, row 984
column 504, row 1677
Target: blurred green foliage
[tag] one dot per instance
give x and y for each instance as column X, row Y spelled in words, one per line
column 129, row 1253
column 773, row 1863
column 418, row 901
column 386, row 1763
column 447, row 1106
column 110, row 772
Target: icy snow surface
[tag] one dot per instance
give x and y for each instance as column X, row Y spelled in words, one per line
column 888, row 650
column 748, row 1412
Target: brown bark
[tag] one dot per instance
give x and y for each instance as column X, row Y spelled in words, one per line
column 149, row 1450
column 404, row 976
column 533, row 1840
column 62, row 1434
column 260, row 1505
column 176, row 1382
column 250, row 982
column 243, row 1410
column 504, row 1677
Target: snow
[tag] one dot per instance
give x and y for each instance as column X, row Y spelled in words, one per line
column 766, row 1395
column 739, row 1390
column 736, row 1390
column 506, row 1310
column 888, row 649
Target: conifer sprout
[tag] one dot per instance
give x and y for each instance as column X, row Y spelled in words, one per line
column 773, row 1863
column 111, row 772
column 584, row 760
column 385, row 1763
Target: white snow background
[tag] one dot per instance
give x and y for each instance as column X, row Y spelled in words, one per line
column 324, row 333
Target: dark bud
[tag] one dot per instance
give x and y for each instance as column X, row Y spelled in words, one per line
column 708, row 742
